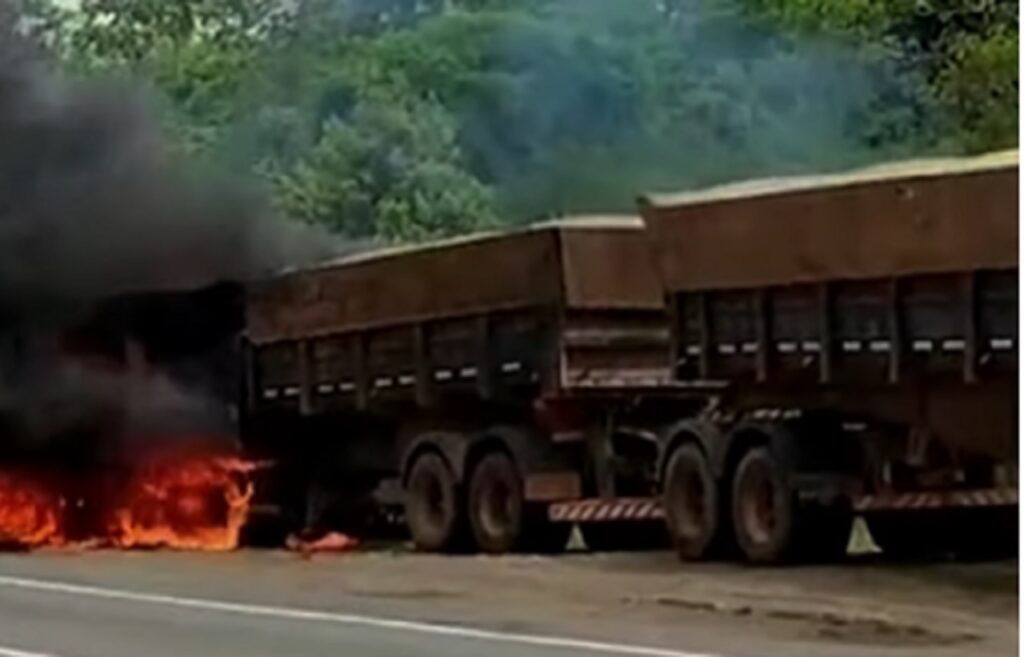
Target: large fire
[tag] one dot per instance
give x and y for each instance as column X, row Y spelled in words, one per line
column 187, row 503
column 194, row 504
column 29, row 513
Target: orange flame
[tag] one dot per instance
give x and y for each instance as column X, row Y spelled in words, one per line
column 186, row 503
column 29, row 515
column 195, row 504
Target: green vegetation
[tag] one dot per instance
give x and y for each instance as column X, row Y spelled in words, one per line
column 406, row 119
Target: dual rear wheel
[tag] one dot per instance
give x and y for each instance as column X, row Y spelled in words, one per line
column 433, row 506
column 762, row 517
column 691, row 503
column 771, row 525
column 501, row 519
column 489, row 513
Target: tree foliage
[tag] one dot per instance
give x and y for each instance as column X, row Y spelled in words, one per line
column 967, row 52
column 407, row 119
column 385, row 170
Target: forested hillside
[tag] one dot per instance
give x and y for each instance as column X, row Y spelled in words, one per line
column 406, row 119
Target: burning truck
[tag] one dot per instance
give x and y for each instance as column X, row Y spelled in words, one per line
column 745, row 369
column 639, row 378
column 119, row 429
column 118, row 405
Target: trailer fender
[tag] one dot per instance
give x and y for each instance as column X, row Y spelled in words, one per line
column 820, row 458
column 450, row 445
column 704, row 433
column 531, row 451
column 546, row 474
column 747, row 434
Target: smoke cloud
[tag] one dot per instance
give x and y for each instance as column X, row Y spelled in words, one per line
column 633, row 97
column 93, row 205
column 572, row 106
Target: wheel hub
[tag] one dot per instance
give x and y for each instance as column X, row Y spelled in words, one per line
column 690, row 505
column 759, row 506
column 498, row 508
column 434, row 501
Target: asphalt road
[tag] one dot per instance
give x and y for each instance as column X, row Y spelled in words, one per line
column 42, row 618
column 159, row 605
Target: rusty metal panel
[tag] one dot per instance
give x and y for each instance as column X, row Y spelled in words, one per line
column 586, row 263
column 907, row 219
column 608, row 347
column 978, row 420
column 408, row 285
column 609, row 266
column 278, row 378
column 332, row 361
column 552, row 486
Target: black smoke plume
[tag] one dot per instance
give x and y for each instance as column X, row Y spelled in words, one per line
column 94, row 207
column 92, row 204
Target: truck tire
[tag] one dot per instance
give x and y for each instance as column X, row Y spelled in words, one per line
column 496, row 506
column 764, row 509
column 499, row 517
column 691, row 503
column 432, row 506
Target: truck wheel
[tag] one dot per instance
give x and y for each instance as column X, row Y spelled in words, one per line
column 496, row 506
column 432, row 505
column 691, row 503
column 763, row 508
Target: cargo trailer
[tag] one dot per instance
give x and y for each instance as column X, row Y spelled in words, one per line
column 747, row 368
column 468, row 381
column 865, row 326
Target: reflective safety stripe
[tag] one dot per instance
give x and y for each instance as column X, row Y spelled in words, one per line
column 937, row 499
column 598, row 510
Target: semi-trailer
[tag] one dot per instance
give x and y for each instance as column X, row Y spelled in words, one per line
column 747, row 367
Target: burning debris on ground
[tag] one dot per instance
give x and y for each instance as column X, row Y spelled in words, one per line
column 331, row 542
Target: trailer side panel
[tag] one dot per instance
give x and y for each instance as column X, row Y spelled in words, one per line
column 853, row 228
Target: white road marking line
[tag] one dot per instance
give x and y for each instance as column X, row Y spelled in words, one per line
column 14, row 652
column 289, row 613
